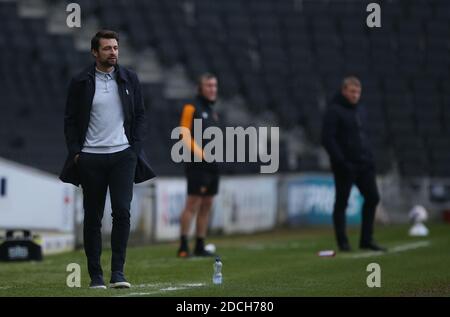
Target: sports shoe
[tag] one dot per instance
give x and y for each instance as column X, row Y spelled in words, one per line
column 203, row 252
column 97, row 282
column 183, row 253
column 372, row 246
column 344, row 247
column 118, row 280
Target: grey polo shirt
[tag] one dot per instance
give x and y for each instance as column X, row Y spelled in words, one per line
column 106, row 133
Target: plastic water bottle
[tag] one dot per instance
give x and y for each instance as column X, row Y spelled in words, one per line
column 217, row 276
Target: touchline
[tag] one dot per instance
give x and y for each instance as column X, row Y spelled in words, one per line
column 213, row 151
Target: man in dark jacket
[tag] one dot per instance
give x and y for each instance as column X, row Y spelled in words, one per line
column 352, row 162
column 104, row 126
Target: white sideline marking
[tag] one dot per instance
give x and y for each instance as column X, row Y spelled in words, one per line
column 396, row 249
column 137, row 294
column 172, row 288
column 276, row 246
column 194, row 284
column 162, row 289
column 150, row 285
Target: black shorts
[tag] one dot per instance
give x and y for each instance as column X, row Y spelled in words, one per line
column 202, row 182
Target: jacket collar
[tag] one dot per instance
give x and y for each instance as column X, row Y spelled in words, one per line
column 205, row 102
column 342, row 101
column 90, row 72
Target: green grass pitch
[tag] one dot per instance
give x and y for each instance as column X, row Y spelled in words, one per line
column 278, row 263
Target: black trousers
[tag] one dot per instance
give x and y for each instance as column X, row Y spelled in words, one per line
column 97, row 173
column 364, row 179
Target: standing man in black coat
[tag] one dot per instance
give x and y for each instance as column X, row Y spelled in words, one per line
column 352, row 162
column 104, row 126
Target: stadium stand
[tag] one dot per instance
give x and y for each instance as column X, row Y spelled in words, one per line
column 283, row 57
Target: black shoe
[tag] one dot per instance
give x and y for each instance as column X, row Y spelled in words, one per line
column 97, row 282
column 183, row 253
column 372, row 246
column 344, row 247
column 118, row 280
column 203, row 252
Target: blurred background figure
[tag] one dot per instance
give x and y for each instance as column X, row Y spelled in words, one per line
column 202, row 177
column 352, row 162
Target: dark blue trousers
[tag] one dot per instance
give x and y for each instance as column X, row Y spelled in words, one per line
column 98, row 172
column 364, row 179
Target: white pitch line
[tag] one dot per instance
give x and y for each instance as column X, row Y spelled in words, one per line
column 162, row 289
column 137, row 294
column 150, row 285
column 396, row 249
column 172, row 288
column 411, row 246
column 194, row 284
column 275, row 246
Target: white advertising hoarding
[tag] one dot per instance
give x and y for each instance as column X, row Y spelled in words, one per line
column 170, row 199
column 243, row 205
column 35, row 200
column 247, row 204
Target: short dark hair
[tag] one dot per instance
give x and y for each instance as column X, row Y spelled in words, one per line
column 351, row 81
column 205, row 76
column 103, row 34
